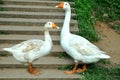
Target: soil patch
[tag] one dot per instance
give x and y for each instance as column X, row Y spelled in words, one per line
column 110, row 42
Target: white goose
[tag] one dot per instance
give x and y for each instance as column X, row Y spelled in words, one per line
column 79, row 48
column 28, row 51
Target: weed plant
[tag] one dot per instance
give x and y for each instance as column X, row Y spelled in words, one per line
column 1, row 2
column 1, row 9
column 86, row 20
column 64, row 56
column 106, row 10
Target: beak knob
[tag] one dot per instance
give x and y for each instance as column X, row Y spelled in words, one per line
column 54, row 26
column 61, row 5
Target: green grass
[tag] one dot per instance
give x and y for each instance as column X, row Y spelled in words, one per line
column 98, row 71
column 64, row 56
column 3, row 54
column 107, row 11
column 1, row 9
column 86, row 20
column 1, row 2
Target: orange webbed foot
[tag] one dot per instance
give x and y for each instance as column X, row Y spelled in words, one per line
column 79, row 70
column 76, row 70
column 69, row 72
column 35, row 71
column 82, row 70
column 32, row 70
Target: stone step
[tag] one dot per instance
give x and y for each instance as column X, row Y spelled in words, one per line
column 33, row 2
column 56, row 50
column 43, row 62
column 32, row 22
column 45, row 74
column 36, row 30
column 34, row 15
column 19, row 38
column 32, row 9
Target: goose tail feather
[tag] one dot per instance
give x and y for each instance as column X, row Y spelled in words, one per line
column 8, row 49
column 104, row 56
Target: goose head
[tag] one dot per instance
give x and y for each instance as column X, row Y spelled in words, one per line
column 64, row 5
column 50, row 25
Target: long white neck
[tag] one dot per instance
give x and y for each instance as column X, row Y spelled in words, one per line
column 47, row 36
column 66, row 24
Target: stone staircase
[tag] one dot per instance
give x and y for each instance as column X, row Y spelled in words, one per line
column 22, row 20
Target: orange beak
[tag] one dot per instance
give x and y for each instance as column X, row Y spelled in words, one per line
column 61, row 5
column 54, row 25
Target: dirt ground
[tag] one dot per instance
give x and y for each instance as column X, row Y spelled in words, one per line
column 110, row 42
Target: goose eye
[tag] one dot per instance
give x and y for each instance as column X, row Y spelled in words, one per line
column 49, row 24
column 65, row 4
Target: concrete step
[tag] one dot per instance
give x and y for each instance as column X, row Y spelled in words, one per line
column 32, row 9
column 32, row 22
column 45, row 74
column 43, row 62
column 36, row 30
column 33, row 15
column 19, row 38
column 56, row 50
column 33, row 2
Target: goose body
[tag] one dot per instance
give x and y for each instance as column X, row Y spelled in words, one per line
column 28, row 51
column 79, row 48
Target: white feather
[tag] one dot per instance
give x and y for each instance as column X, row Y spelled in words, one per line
column 79, row 48
column 29, row 50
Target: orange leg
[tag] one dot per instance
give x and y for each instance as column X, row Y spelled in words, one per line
column 32, row 70
column 82, row 70
column 72, row 71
